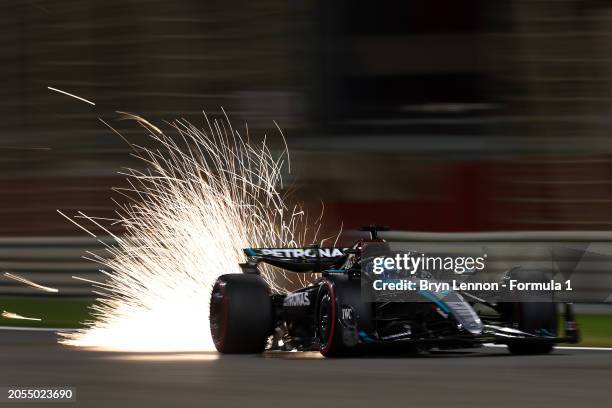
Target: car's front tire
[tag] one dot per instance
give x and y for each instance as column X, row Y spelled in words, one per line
column 336, row 334
column 329, row 332
column 241, row 318
column 536, row 316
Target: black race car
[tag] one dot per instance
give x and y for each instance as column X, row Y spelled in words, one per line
column 330, row 314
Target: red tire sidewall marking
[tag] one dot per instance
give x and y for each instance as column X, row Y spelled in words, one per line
column 330, row 338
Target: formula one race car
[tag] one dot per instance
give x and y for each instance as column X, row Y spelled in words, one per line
column 330, row 314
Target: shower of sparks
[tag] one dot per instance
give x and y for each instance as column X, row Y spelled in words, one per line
column 205, row 195
column 71, row 95
column 10, row 315
column 87, row 280
column 30, row 283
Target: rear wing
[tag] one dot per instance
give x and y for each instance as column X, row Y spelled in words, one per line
column 310, row 259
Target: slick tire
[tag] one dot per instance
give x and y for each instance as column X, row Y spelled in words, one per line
column 536, row 317
column 241, row 317
column 330, row 331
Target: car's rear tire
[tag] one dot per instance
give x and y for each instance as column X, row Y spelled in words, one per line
column 536, row 317
column 241, row 318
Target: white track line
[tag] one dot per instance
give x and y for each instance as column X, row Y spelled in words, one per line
column 561, row 347
column 486, row 344
column 35, row 328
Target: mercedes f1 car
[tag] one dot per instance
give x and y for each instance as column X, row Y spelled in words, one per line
column 331, row 316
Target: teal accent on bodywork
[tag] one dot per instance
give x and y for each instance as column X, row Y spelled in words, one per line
column 364, row 336
column 334, row 271
column 429, row 295
column 545, row 332
column 250, row 252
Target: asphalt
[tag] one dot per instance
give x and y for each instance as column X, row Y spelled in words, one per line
column 475, row 378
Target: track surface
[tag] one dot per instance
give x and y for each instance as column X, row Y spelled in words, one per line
column 485, row 377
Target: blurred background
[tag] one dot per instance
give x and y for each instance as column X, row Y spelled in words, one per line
column 425, row 115
column 475, row 115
